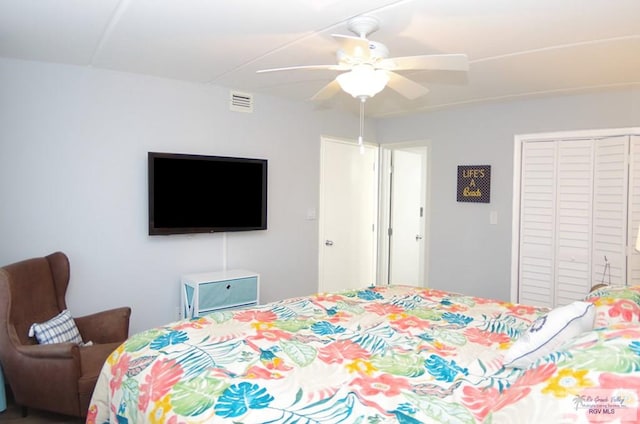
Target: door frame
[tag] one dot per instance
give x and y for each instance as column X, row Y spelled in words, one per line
column 519, row 139
column 384, row 200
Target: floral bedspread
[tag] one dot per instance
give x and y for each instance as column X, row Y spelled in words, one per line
column 595, row 378
column 376, row 355
column 592, row 378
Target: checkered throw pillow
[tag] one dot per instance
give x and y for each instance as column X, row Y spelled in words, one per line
column 59, row 329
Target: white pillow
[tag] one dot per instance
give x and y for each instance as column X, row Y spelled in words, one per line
column 550, row 331
column 59, row 329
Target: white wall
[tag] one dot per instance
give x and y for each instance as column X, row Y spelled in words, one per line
column 73, row 177
column 467, row 254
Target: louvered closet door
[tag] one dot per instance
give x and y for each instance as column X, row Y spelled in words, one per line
column 633, row 257
column 574, row 196
column 580, row 204
column 610, row 209
column 537, row 224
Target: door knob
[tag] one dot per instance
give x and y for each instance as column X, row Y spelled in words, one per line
column 328, row 243
column 418, row 237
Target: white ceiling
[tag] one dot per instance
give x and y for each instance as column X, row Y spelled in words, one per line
column 516, row 48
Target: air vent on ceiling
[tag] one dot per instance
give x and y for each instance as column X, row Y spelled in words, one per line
column 241, row 102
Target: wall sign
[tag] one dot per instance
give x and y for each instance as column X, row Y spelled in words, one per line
column 474, row 183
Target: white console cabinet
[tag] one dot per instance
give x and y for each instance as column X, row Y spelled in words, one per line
column 213, row 291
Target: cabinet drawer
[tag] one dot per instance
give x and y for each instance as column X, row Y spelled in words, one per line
column 228, row 293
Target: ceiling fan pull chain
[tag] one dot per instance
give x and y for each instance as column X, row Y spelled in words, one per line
column 360, row 140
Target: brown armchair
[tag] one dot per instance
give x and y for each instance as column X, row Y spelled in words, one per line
column 54, row 377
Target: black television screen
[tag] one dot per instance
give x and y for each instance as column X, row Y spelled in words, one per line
column 205, row 194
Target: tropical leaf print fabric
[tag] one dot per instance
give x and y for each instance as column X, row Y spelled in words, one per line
column 595, row 378
column 616, row 305
column 377, row 355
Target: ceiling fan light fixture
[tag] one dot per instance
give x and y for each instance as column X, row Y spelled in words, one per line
column 363, row 81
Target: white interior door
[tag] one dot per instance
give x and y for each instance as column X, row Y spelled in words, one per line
column 611, row 204
column 403, row 216
column 348, row 211
column 406, row 243
column 537, row 259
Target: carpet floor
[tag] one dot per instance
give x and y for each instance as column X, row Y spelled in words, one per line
column 13, row 414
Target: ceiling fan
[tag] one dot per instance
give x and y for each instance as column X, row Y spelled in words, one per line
column 367, row 68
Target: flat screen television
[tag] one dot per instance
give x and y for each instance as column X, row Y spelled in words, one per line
column 206, row 194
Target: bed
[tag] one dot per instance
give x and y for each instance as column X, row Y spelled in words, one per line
column 392, row 354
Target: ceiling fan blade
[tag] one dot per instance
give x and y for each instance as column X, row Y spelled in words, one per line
column 327, row 91
column 446, row 62
column 307, row 67
column 409, row 89
column 355, row 47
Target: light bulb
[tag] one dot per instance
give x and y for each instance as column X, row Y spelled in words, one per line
column 363, row 81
